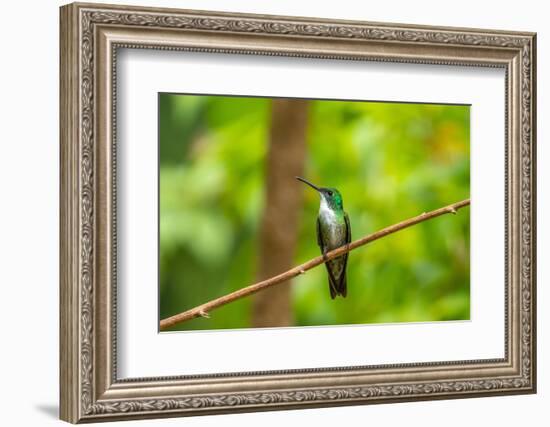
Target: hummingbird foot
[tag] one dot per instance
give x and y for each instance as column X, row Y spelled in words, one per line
column 204, row 314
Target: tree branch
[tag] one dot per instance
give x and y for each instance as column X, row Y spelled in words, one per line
column 203, row 309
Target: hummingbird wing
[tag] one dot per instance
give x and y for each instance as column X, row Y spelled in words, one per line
column 343, row 287
column 320, row 236
column 348, row 229
column 331, row 280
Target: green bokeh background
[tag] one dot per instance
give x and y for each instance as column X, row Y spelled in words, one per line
column 390, row 161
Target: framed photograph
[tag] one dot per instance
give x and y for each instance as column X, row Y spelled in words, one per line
column 265, row 212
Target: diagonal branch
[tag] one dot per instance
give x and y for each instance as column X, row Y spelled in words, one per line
column 203, row 309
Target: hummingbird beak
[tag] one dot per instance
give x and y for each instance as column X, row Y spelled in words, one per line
column 308, row 183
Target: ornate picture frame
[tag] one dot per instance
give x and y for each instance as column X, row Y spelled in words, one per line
column 91, row 34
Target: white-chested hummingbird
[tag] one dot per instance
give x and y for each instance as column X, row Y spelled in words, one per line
column 333, row 231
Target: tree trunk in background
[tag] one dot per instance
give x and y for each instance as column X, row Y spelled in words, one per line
column 279, row 228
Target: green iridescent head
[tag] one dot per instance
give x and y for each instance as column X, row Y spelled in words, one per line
column 331, row 196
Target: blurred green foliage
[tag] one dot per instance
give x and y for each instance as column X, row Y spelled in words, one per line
column 390, row 161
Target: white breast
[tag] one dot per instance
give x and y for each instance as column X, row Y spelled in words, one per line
column 328, row 216
column 325, row 212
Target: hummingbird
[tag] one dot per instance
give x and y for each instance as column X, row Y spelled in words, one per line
column 333, row 231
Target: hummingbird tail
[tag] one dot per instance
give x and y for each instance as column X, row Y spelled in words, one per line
column 332, row 288
column 343, row 286
column 337, row 287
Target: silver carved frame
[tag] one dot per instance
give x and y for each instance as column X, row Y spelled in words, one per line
column 90, row 36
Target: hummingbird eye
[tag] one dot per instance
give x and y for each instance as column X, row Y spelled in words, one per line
column 330, row 193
